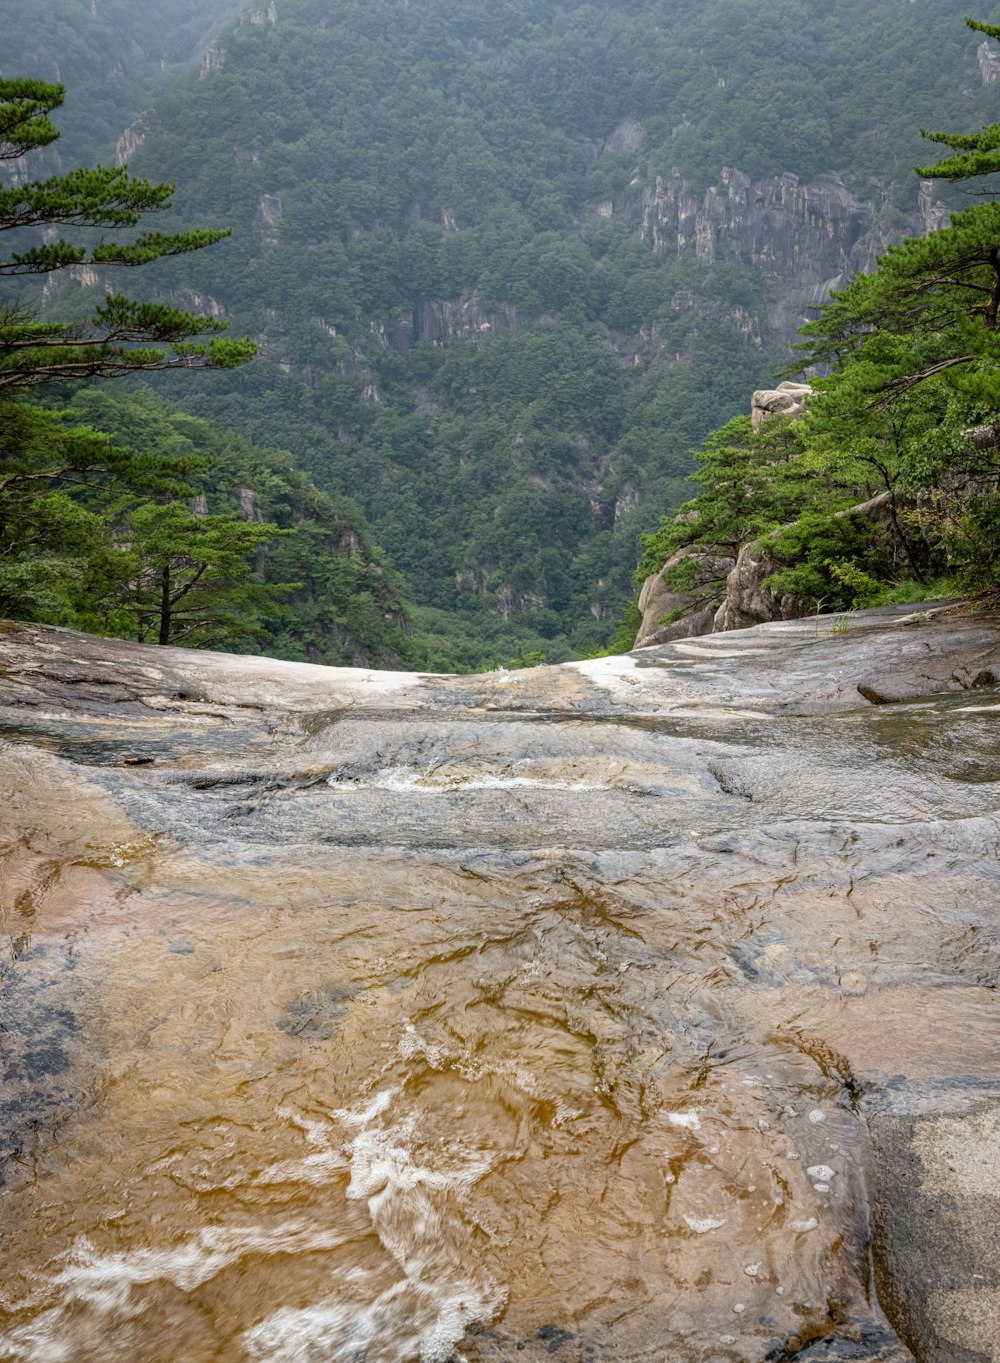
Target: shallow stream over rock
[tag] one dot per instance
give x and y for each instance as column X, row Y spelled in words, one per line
column 598, row 1012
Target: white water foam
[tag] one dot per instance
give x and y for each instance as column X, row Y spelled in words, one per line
column 96, row 1290
column 690, row 1121
column 419, row 1304
column 414, row 1191
column 404, row 1323
column 701, row 1225
column 403, row 779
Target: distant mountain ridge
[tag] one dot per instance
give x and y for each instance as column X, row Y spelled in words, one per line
column 500, row 275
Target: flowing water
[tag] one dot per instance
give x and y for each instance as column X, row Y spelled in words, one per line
column 477, row 1018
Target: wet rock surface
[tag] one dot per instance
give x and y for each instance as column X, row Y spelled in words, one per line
column 608, row 1011
column 937, row 1213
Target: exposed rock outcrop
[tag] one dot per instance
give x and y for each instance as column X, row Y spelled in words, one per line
column 989, row 61
column 749, row 601
column 805, row 239
column 131, row 140
column 671, row 612
column 271, row 208
column 788, row 399
column 212, row 59
column 250, row 506
column 467, row 318
column 962, row 670
column 932, row 214
column 937, row 1229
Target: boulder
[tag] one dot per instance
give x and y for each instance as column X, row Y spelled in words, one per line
column 748, row 601
column 788, row 399
column 669, row 612
column 932, row 678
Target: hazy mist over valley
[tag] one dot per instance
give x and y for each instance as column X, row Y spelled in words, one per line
column 505, row 266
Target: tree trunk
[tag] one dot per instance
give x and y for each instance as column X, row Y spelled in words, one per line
column 903, row 542
column 165, row 604
column 994, row 304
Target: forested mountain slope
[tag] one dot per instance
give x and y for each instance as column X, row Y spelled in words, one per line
column 508, row 265
column 114, row 57
column 345, row 604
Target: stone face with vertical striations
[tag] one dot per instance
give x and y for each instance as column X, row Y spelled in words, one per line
column 989, row 61
column 805, row 239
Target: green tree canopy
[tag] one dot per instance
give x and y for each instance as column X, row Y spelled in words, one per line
column 941, row 293
column 190, row 579
column 895, row 471
column 979, row 152
column 122, row 336
column 86, row 535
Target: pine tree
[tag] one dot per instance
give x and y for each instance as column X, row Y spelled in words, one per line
column 123, row 336
column 91, row 532
column 938, row 295
column 191, row 580
column 979, row 153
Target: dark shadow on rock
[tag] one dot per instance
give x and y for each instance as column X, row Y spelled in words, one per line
column 937, row 1230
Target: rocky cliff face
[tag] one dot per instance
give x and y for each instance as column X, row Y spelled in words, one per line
column 804, row 239
column 669, row 612
column 468, row 318
column 989, row 62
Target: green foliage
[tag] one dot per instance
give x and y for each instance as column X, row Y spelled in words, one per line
column 895, row 471
column 916, row 390
column 931, row 306
column 750, row 481
column 190, row 579
column 534, row 657
column 123, row 336
column 504, row 380
column 91, row 532
column 840, row 560
column 347, row 606
column 121, row 55
column 866, row 588
column 63, row 487
column 24, row 122
column 979, row 152
column 508, row 384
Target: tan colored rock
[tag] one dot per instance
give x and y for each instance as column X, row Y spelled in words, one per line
column 672, row 613
column 788, row 399
column 748, row 601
